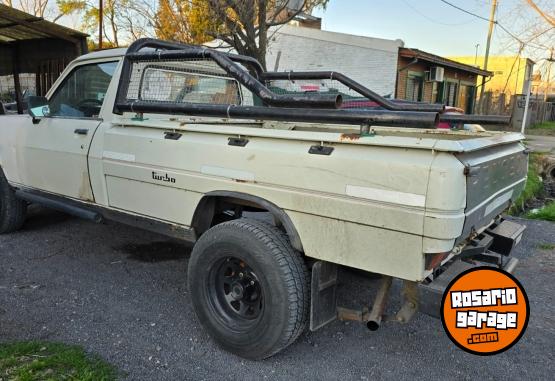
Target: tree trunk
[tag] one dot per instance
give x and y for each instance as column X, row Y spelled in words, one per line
column 262, row 32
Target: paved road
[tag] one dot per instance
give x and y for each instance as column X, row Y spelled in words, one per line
column 101, row 286
column 540, row 143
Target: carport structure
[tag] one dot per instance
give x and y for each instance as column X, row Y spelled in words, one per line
column 30, row 44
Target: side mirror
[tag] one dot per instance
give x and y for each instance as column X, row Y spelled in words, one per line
column 38, row 107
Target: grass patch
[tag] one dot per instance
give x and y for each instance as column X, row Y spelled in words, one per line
column 30, row 361
column 544, row 128
column 546, row 246
column 533, row 188
column 546, row 213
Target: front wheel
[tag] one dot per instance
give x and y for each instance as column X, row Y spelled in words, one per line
column 249, row 288
column 12, row 210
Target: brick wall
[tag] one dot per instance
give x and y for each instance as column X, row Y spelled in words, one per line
column 369, row 61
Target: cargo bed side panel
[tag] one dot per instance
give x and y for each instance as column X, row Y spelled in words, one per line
column 495, row 178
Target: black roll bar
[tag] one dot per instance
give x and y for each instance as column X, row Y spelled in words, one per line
column 477, row 119
column 226, row 63
column 167, row 45
column 309, row 108
column 366, row 117
column 353, row 85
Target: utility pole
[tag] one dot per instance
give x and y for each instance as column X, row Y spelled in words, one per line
column 476, row 55
column 100, row 17
column 488, row 43
column 548, row 78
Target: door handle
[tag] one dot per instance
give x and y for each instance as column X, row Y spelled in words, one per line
column 81, row 131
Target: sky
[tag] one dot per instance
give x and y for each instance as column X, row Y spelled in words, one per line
column 429, row 25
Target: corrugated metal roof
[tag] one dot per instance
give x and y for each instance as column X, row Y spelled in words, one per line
column 16, row 25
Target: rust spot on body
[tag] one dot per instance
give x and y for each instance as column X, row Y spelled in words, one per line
column 349, row 137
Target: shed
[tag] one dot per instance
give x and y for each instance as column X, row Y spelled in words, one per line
column 30, row 44
column 426, row 77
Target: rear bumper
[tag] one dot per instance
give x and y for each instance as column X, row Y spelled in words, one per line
column 491, row 248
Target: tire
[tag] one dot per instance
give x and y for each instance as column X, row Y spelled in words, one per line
column 249, row 288
column 12, row 210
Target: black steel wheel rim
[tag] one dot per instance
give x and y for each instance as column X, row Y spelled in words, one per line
column 235, row 291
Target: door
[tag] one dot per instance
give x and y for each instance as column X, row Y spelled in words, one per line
column 54, row 150
column 451, row 93
column 414, row 88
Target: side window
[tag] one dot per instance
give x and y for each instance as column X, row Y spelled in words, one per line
column 166, row 85
column 82, row 93
column 451, row 93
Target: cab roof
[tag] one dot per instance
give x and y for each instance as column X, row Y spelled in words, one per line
column 108, row 53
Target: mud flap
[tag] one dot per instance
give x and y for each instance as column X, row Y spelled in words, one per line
column 323, row 301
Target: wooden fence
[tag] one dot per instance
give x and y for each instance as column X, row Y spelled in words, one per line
column 499, row 104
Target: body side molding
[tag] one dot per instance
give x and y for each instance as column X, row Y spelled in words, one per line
column 99, row 214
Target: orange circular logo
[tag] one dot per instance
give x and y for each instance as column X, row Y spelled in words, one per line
column 485, row 310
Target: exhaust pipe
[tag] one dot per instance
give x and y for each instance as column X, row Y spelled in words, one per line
column 378, row 308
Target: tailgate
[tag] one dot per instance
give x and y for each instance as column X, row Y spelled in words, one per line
column 495, row 178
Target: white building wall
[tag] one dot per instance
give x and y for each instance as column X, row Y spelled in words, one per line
column 370, row 61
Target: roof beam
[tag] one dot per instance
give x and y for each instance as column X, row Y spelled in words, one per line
column 12, row 24
column 36, row 28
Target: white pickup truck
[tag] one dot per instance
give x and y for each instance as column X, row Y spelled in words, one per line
column 275, row 190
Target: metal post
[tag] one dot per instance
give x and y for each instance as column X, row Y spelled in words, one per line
column 488, row 43
column 17, row 84
column 529, row 82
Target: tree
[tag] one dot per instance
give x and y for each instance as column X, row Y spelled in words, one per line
column 46, row 8
column 242, row 24
column 178, row 20
column 123, row 20
column 550, row 19
column 534, row 33
column 33, row 7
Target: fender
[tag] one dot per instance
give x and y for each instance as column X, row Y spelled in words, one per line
column 276, row 211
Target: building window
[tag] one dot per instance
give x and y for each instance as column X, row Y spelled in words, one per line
column 414, row 88
column 451, row 93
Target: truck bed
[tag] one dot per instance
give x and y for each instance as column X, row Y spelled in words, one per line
column 406, row 189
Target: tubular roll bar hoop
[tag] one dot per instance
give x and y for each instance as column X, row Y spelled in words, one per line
column 308, row 108
column 355, row 86
column 307, row 115
column 227, row 63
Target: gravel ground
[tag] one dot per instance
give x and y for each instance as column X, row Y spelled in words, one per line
column 101, row 286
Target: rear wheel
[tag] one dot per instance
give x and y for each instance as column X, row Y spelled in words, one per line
column 249, row 287
column 12, row 210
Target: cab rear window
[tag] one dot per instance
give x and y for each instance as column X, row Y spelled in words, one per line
column 167, row 85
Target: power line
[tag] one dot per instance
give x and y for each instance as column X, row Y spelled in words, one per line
column 464, row 10
column 482, row 18
column 429, row 18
